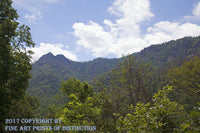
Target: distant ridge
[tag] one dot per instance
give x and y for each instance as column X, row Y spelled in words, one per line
column 50, row 70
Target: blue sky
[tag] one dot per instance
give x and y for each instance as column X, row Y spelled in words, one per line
column 82, row 30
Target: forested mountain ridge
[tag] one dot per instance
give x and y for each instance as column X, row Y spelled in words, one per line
column 154, row 91
column 163, row 57
column 172, row 51
column 66, row 68
column 168, row 55
column 50, row 70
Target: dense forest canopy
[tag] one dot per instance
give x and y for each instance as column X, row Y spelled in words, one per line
column 15, row 66
column 49, row 71
column 155, row 90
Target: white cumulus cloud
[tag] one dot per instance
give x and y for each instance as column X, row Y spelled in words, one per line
column 94, row 37
column 55, row 49
column 165, row 31
column 130, row 13
column 123, row 35
column 119, row 37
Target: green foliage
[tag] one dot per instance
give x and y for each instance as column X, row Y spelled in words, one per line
column 127, row 83
column 168, row 55
column 99, row 109
column 133, row 75
column 186, row 82
column 14, row 64
column 160, row 116
column 81, row 109
column 171, row 53
column 49, row 70
column 78, row 113
column 125, row 87
column 110, row 104
column 24, row 108
column 111, row 109
column 74, row 86
column 187, row 76
column 195, row 118
column 125, row 105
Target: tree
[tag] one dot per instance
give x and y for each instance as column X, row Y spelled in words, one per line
column 14, row 58
column 161, row 116
column 127, row 84
column 81, row 108
column 24, row 108
column 195, row 119
column 74, row 86
column 186, row 82
column 133, row 76
column 124, row 86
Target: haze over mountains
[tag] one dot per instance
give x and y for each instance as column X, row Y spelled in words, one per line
column 50, row 70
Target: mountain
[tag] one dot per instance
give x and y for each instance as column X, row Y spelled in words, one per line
column 49, row 70
column 175, row 50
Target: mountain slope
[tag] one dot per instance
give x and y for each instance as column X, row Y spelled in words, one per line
column 50, row 70
column 176, row 50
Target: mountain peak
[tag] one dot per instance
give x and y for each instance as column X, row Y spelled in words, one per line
column 61, row 56
column 49, row 58
column 48, row 54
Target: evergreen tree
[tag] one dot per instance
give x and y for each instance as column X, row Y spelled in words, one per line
column 186, row 82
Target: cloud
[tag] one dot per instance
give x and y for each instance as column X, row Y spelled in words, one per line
column 123, row 35
column 129, row 9
column 196, row 10
column 94, row 37
column 116, row 37
column 165, row 31
column 130, row 13
column 195, row 15
column 55, row 49
column 34, row 16
column 34, row 8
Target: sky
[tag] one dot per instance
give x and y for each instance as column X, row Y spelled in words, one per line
column 82, row 30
